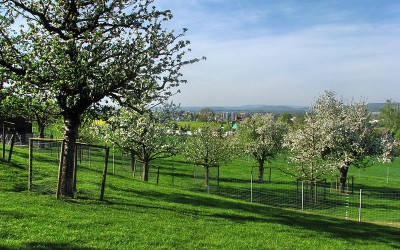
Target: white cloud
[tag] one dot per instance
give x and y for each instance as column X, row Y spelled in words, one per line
column 280, row 65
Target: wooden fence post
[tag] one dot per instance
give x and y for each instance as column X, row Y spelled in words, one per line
column 12, row 145
column 60, row 169
column 103, row 183
column 30, row 165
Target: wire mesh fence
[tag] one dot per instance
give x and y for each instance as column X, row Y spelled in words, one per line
column 8, row 137
column 374, row 205
column 321, row 197
column 44, row 167
column 44, row 162
column 380, row 204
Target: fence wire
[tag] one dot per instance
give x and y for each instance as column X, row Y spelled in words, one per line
column 380, row 205
column 45, row 157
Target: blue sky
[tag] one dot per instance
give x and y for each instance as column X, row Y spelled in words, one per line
column 288, row 52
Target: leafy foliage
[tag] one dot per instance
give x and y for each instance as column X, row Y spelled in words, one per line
column 390, row 115
column 207, row 148
column 334, row 136
column 90, row 53
column 260, row 137
column 34, row 106
column 145, row 135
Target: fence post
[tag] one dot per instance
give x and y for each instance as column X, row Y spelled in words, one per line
column 337, row 183
column 134, row 169
column 352, row 184
column 218, row 176
column 103, row 183
column 30, row 164
column 302, row 196
column 270, row 174
column 387, row 175
column 359, row 210
column 172, row 174
column 113, row 164
column 58, row 152
column 90, row 158
column 251, row 187
column 3, row 137
column 75, row 166
column 60, row 169
column 158, row 174
column 12, row 145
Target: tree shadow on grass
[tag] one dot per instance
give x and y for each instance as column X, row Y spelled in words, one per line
column 344, row 229
column 55, row 246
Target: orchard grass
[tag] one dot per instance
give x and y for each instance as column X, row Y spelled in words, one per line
column 137, row 215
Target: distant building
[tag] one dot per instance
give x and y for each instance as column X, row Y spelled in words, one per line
column 22, row 126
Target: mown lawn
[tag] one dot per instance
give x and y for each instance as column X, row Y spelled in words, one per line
column 137, row 215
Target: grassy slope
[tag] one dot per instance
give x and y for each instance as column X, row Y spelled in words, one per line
column 137, row 215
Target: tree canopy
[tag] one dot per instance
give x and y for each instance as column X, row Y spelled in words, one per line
column 261, row 137
column 144, row 135
column 206, row 148
column 86, row 53
column 335, row 135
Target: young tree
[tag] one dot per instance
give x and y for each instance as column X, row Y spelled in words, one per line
column 144, row 135
column 205, row 115
column 85, row 52
column 206, row 148
column 390, row 115
column 261, row 137
column 286, row 118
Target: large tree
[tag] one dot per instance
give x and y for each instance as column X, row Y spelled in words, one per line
column 335, row 135
column 306, row 144
column 261, row 137
column 85, row 52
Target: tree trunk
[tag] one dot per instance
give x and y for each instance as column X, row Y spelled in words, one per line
column 132, row 160
column 207, row 175
column 343, row 177
column 260, row 171
column 68, row 155
column 145, row 172
column 41, row 130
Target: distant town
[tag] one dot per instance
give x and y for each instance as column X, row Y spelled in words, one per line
column 226, row 113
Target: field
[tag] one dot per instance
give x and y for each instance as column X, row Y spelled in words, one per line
column 138, row 215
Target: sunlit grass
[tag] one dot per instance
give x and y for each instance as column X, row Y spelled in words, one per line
column 137, row 215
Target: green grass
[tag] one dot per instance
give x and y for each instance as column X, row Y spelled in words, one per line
column 381, row 203
column 137, row 215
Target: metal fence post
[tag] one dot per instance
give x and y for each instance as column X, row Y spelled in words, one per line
column 158, row 174
column 387, row 175
column 172, row 174
column 359, row 210
column 302, row 196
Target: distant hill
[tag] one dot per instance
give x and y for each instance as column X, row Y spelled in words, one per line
column 373, row 107
column 252, row 108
